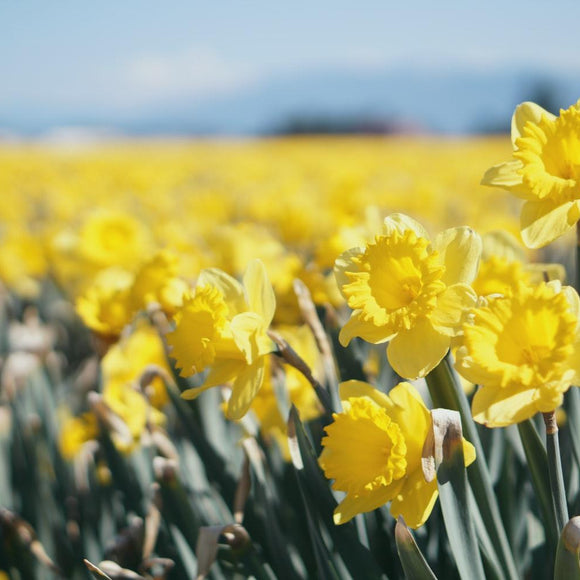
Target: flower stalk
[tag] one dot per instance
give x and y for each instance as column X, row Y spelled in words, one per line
column 555, row 469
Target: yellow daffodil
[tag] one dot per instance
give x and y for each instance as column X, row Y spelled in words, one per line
column 407, row 291
column 223, row 327
column 545, row 171
column 105, row 306
column 524, row 351
column 75, row 432
column 373, row 452
column 126, row 361
column 157, row 281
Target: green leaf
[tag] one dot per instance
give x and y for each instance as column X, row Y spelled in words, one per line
column 413, row 561
column 538, row 464
column 446, row 391
column 444, row 447
column 567, row 565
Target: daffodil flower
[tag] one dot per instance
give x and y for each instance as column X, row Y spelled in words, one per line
column 408, row 291
column 524, row 351
column 373, row 452
column 223, row 327
column 544, row 171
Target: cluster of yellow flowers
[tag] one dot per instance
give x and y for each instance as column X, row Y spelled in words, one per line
column 198, row 216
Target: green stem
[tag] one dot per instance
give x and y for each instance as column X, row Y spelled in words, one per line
column 537, row 461
column 447, row 392
column 555, row 470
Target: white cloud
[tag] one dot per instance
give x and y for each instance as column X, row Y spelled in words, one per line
column 194, row 74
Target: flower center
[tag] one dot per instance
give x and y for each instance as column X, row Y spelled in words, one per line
column 364, row 448
column 398, row 280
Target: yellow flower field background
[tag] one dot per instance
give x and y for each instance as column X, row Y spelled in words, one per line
column 269, row 358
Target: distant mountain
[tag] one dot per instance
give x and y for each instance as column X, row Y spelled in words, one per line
column 447, row 102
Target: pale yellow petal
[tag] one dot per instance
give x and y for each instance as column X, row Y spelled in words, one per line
column 400, row 222
column 245, row 387
column 223, row 371
column 351, row 506
column 356, row 326
column 354, row 388
column 416, row 499
column 459, row 251
column 497, row 407
column 344, row 263
column 415, row 352
column 191, row 394
column 452, row 304
column 245, row 328
column 524, row 113
column 506, row 175
column 232, row 290
column 261, row 298
column 542, row 222
column 414, row 419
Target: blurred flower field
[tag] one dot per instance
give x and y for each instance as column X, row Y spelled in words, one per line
column 194, row 379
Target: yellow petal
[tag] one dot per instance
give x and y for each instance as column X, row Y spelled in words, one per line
column 356, row 326
column 245, row 328
column 244, row 389
column 415, row 352
column 468, row 453
column 261, row 299
column 524, row 113
column 400, row 222
column 222, row 372
column 451, row 306
column 506, row 175
column 497, row 407
column 351, row 506
column 414, row 419
column 542, row 222
column 232, row 290
column 416, row 499
column 354, row 388
column 459, row 250
column 344, row 263
column 191, row 394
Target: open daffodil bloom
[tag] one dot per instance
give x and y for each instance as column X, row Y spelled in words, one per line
column 524, row 349
column 223, row 327
column 545, row 171
column 373, row 452
column 405, row 290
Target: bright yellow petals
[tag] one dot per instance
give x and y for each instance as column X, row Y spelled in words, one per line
column 401, row 289
column 202, row 330
column 545, row 171
column 105, row 307
column 157, row 282
column 223, row 327
column 522, row 348
column 75, row 432
column 110, row 238
column 126, row 361
column 373, row 451
column 498, row 275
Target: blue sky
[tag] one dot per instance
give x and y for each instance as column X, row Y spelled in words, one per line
column 128, row 55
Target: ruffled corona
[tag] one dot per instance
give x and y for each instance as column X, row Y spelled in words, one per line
column 523, row 350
